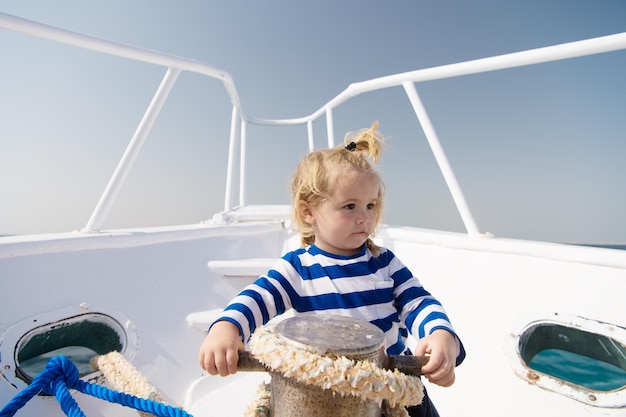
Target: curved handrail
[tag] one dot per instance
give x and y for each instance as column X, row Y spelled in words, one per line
column 563, row 51
column 79, row 40
column 174, row 65
column 407, row 80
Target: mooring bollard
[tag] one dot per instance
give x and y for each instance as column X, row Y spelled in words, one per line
column 330, row 336
column 333, row 337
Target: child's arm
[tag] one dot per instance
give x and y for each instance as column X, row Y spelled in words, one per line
column 220, row 350
column 443, row 348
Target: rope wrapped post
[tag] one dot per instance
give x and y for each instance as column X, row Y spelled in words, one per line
column 331, row 366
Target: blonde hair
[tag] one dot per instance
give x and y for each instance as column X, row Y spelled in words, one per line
column 317, row 173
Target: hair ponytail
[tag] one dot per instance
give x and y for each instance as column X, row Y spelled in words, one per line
column 368, row 142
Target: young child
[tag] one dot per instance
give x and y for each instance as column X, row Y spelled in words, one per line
column 337, row 205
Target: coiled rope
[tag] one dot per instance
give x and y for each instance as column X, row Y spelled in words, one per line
column 61, row 375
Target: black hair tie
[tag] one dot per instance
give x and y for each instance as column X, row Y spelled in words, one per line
column 351, row 146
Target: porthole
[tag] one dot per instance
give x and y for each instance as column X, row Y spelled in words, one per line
column 580, row 358
column 79, row 333
column 79, row 338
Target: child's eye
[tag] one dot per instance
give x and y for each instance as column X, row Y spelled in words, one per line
column 349, row 206
column 371, row 206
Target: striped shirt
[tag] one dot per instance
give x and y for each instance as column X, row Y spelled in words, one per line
column 377, row 289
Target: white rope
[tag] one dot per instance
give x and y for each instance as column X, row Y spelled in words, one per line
column 260, row 405
column 122, row 376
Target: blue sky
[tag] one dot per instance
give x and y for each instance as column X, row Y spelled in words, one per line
column 539, row 152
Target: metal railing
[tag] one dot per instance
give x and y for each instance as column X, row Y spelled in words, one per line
column 240, row 119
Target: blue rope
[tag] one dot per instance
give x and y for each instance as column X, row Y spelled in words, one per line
column 61, row 374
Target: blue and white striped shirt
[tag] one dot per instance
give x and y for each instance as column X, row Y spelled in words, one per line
column 377, row 289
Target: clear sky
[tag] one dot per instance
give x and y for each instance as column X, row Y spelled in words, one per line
column 539, row 152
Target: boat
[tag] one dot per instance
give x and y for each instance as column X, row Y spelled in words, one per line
column 151, row 292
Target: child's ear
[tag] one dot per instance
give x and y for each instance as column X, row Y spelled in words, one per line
column 306, row 212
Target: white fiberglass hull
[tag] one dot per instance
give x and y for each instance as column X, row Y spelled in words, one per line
column 156, row 279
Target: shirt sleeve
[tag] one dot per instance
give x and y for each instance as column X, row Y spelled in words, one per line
column 259, row 302
column 421, row 312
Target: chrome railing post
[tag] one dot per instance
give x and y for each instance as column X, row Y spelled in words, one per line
column 442, row 160
column 330, row 130
column 242, row 164
column 309, row 130
column 133, row 149
column 228, row 198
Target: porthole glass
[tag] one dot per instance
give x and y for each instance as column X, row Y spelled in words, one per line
column 594, row 361
column 80, row 338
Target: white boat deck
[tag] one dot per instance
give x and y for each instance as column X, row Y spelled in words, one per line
column 160, row 287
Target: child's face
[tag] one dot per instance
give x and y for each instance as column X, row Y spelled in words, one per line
column 344, row 221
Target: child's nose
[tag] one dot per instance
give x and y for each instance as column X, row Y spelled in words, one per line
column 363, row 217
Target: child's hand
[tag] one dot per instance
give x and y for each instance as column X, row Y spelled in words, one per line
column 219, row 352
column 443, row 348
